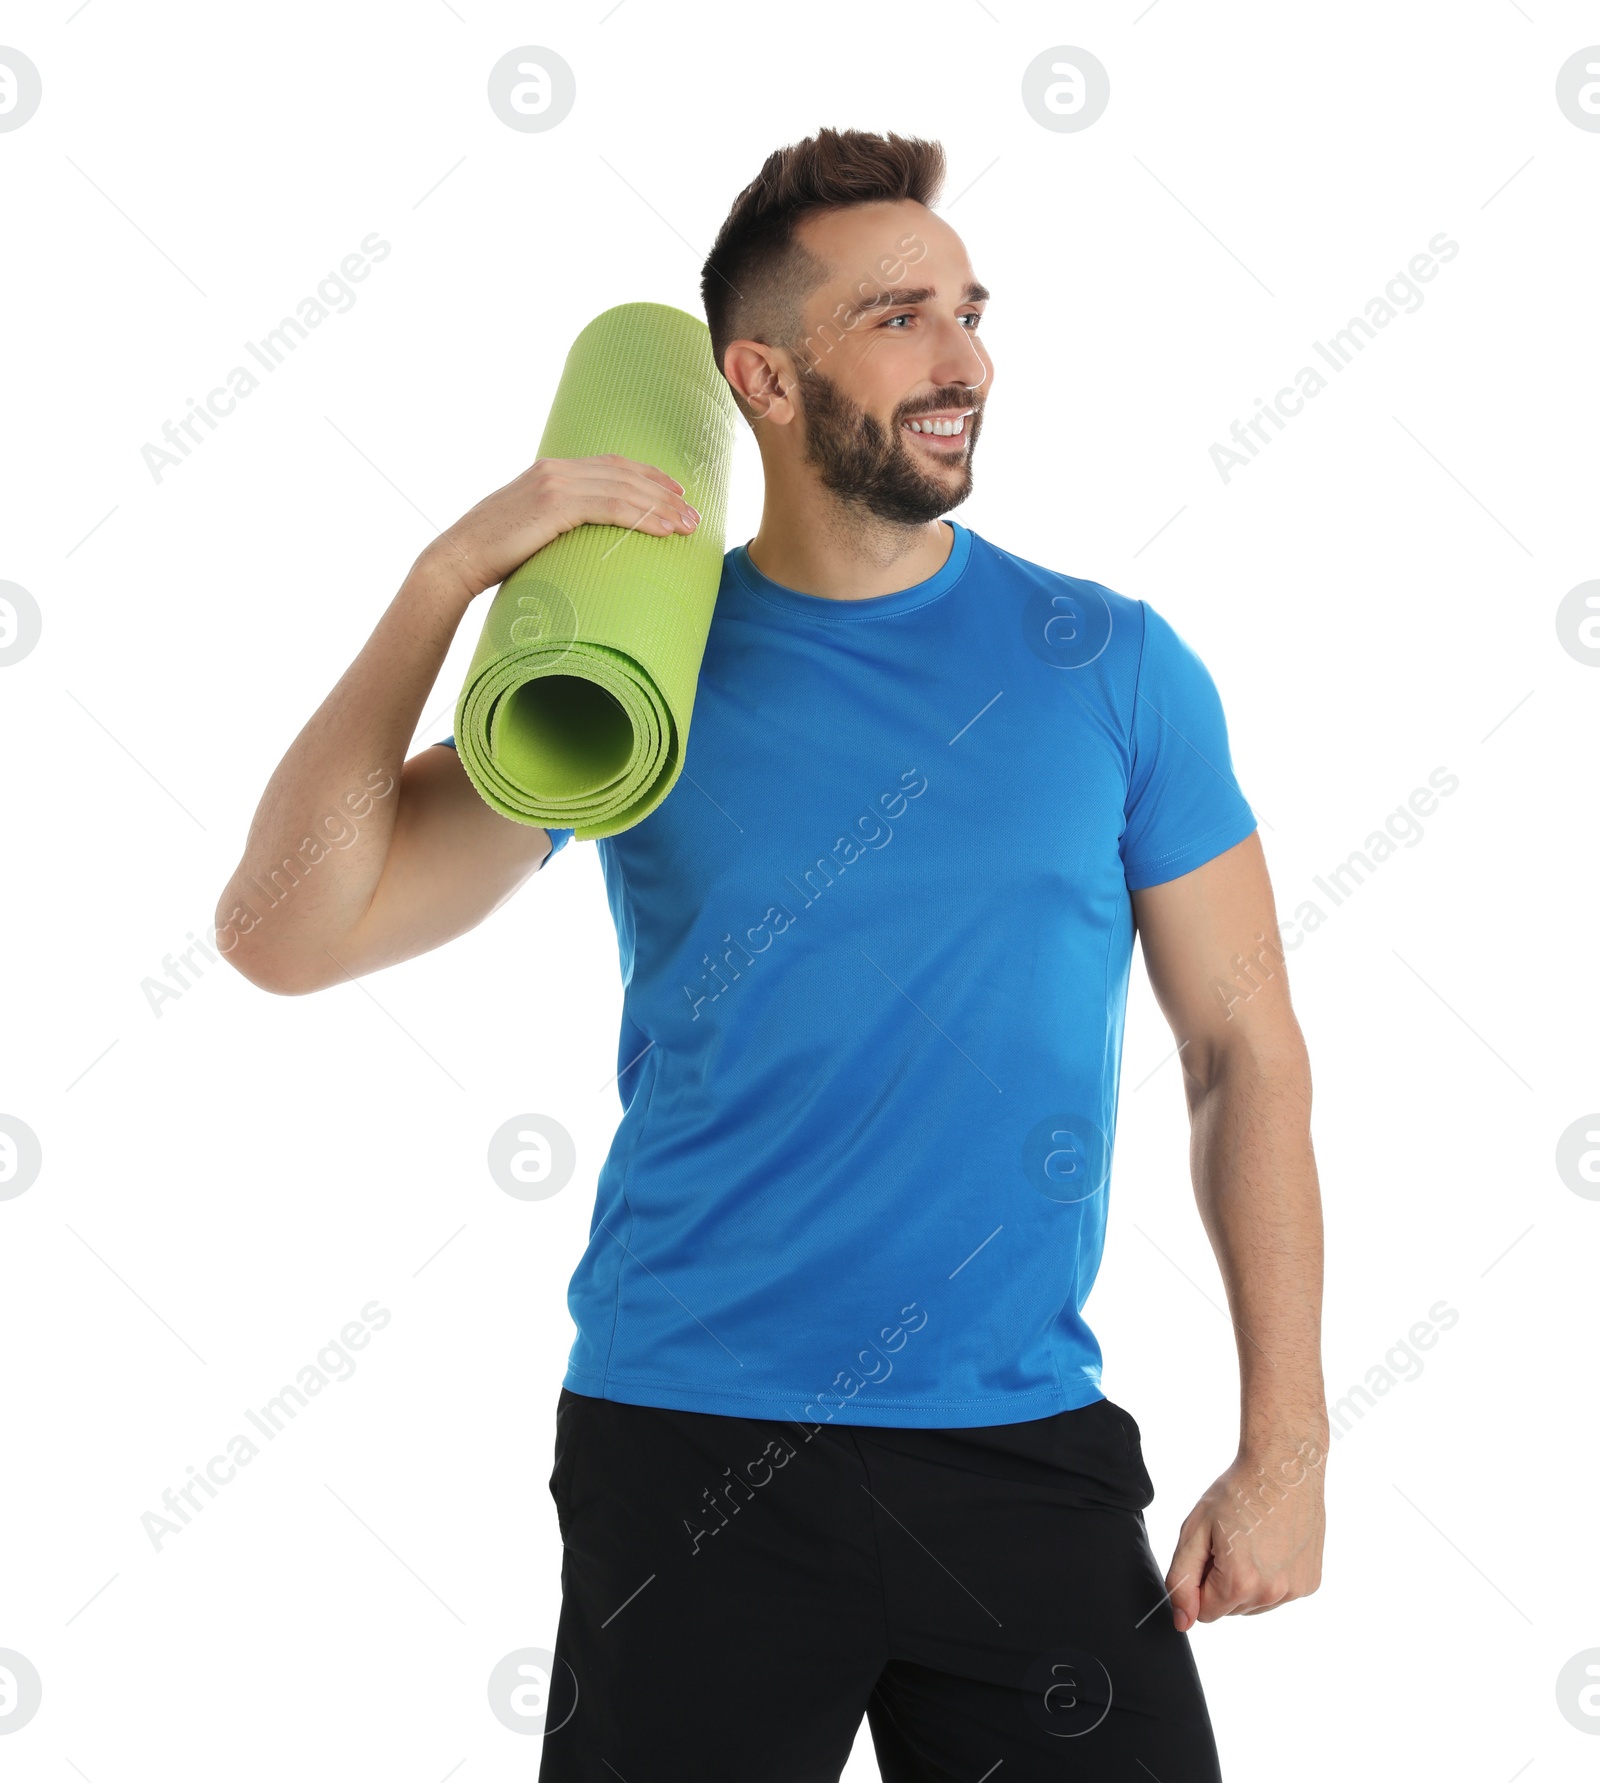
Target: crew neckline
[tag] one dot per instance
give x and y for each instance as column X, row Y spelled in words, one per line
column 872, row 606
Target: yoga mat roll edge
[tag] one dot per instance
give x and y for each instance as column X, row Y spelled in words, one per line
column 575, row 710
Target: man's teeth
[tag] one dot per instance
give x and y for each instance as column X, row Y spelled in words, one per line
column 956, row 426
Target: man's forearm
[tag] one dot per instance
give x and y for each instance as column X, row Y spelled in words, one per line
column 320, row 835
column 1256, row 1185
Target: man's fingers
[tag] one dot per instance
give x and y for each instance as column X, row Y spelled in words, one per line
column 653, row 471
column 657, row 475
column 1234, row 1591
column 664, row 493
column 661, row 490
column 1186, row 1572
column 635, row 503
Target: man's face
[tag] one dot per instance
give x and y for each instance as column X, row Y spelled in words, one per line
column 890, row 338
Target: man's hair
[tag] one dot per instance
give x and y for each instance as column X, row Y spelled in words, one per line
column 758, row 274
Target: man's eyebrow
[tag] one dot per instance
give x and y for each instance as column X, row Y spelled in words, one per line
column 887, row 300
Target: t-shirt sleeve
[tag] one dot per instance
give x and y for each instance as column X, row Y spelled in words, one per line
column 558, row 838
column 1183, row 805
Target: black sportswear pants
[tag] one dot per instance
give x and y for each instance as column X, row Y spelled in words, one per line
column 738, row 1592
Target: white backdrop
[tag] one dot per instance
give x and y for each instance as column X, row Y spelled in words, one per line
column 225, row 1181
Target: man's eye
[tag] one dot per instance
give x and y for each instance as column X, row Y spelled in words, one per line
column 973, row 318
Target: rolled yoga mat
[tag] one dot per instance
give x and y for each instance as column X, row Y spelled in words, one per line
column 575, row 711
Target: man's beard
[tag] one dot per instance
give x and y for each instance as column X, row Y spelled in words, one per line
column 872, row 467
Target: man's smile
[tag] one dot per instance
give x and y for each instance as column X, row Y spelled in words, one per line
column 942, row 431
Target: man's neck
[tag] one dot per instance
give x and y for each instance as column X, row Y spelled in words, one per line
column 845, row 556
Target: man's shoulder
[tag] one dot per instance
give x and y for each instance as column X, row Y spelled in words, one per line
column 1061, row 602
column 1024, row 570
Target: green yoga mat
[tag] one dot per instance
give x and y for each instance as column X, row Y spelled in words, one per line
column 575, row 711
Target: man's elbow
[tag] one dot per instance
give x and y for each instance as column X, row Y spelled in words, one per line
column 244, row 946
column 280, row 977
column 1272, row 1055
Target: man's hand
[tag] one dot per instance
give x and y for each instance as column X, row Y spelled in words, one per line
column 1254, row 1540
column 552, row 496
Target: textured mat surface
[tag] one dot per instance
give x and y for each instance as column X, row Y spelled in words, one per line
column 575, row 710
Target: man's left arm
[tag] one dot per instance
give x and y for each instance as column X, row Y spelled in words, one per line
column 1211, row 950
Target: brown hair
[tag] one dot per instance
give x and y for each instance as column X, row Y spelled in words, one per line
column 758, row 274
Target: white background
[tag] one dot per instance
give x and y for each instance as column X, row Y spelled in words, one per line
column 231, row 1181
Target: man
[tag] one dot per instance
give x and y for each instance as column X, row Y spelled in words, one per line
column 832, row 1441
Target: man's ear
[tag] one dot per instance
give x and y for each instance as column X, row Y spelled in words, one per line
column 762, row 379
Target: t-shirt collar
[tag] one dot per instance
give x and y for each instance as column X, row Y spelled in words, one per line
column 873, row 606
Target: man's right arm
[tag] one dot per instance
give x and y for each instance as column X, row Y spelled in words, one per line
column 358, row 858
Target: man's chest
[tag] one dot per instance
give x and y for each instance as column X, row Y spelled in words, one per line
column 975, row 787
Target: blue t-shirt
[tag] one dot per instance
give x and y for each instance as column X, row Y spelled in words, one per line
column 875, row 948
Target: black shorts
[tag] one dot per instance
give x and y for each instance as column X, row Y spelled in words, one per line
column 738, row 1592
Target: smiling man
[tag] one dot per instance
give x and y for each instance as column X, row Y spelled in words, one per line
column 832, row 1442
